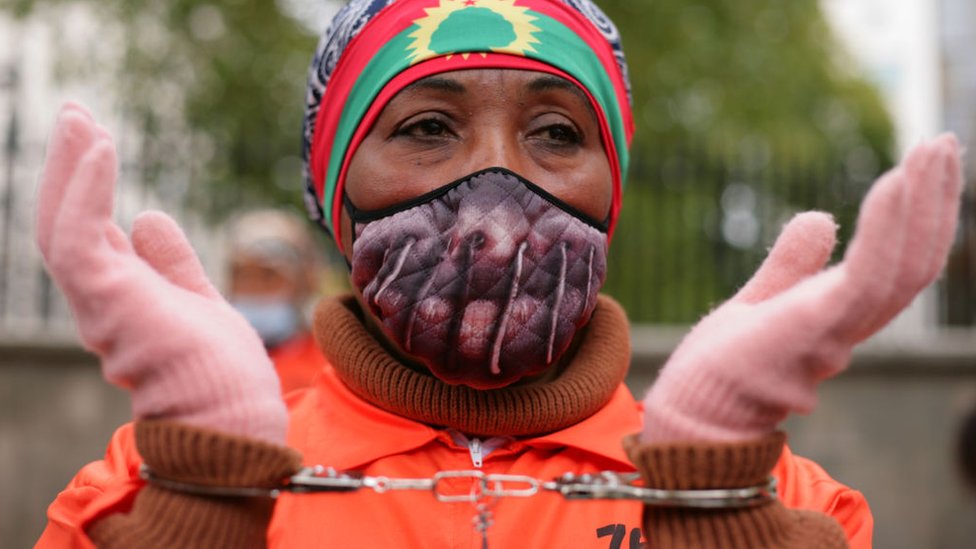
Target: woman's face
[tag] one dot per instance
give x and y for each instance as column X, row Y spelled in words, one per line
column 449, row 125
column 437, row 131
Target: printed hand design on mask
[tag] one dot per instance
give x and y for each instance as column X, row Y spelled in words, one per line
column 485, row 280
column 760, row 355
column 145, row 306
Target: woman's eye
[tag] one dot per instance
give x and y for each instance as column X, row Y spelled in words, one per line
column 562, row 133
column 559, row 135
column 428, row 127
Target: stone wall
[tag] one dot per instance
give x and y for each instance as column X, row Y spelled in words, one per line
column 56, row 414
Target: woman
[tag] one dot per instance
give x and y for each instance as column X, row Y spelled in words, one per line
column 468, row 158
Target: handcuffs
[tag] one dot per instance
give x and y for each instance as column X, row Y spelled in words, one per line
column 605, row 485
column 486, row 489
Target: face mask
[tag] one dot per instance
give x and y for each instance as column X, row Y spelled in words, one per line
column 275, row 320
column 485, row 280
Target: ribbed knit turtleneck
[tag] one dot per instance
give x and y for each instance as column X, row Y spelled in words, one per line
column 582, row 388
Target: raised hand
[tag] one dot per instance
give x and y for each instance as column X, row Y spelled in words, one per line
column 760, row 356
column 145, row 305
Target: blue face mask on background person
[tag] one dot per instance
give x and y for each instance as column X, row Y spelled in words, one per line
column 276, row 320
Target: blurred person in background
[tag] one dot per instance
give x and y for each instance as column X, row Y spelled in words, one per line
column 275, row 272
column 468, row 159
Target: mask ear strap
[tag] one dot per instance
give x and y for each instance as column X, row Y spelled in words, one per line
column 355, row 214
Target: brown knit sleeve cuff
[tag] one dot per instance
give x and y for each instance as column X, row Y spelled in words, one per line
column 197, row 455
column 704, row 465
column 164, row 518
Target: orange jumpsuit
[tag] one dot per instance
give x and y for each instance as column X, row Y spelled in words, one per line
column 332, row 426
column 297, row 361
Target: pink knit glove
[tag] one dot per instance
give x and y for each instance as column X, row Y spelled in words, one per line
column 145, row 306
column 760, row 356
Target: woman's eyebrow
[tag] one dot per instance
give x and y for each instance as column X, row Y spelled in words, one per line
column 436, row 83
column 546, row 83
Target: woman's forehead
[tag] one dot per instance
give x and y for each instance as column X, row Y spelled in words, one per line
column 455, row 81
column 464, row 82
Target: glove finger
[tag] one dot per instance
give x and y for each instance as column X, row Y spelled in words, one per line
column 927, row 179
column 952, row 194
column 86, row 210
column 158, row 240
column 872, row 256
column 908, row 267
column 74, row 133
column 117, row 239
column 802, row 249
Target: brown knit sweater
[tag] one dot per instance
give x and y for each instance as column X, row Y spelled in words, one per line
column 162, row 518
column 583, row 386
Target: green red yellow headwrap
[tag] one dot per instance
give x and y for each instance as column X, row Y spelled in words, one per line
column 375, row 48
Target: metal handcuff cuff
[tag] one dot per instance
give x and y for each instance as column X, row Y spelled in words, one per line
column 605, row 485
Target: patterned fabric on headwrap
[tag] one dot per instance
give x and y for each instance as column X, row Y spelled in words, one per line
column 375, row 48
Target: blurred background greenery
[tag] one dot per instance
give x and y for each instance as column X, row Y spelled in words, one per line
column 237, row 69
column 745, row 112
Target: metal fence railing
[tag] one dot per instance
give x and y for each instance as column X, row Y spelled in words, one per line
column 695, row 226
column 31, row 306
column 692, row 230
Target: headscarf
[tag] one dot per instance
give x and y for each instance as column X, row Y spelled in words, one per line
column 375, row 48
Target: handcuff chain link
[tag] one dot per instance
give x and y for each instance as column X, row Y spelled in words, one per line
column 485, row 486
